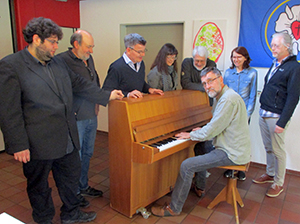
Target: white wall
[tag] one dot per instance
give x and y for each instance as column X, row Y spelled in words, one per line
column 103, row 19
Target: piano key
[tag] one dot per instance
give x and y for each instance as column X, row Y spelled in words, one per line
column 172, row 144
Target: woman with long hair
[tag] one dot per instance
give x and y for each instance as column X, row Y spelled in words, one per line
column 163, row 74
column 243, row 79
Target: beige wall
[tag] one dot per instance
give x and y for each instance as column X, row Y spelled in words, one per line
column 104, row 17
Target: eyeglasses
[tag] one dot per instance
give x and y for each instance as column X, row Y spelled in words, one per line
column 172, row 57
column 139, row 52
column 210, row 81
column 52, row 41
column 236, row 57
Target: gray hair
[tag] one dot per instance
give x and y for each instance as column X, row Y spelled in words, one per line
column 201, row 51
column 286, row 40
column 130, row 40
column 210, row 69
column 77, row 36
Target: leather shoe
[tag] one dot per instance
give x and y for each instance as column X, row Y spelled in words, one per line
column 199, row 192
column 80, row 217
column 83, row 202
column 163, row 211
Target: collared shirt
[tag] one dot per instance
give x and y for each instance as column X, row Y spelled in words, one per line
column 130, row 63
column 245, row 84
column 228, row 127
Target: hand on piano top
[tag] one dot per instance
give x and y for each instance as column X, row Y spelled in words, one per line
column 156, row 91
column 135, row 94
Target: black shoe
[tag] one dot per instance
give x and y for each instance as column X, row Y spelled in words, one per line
column 83, row 202
column 46, row 222
column 80, row 217
column 91, row 192
column 228, row 173
column 241, row 175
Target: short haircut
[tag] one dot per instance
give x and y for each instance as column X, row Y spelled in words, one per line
column 210, row 69
column 286, row 40
column 130, row 40
column 243, row 51
column 77, row 36
column 43, row 27
column 201, row 51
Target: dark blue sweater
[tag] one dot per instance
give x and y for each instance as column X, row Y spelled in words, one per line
column 121, row 76
column 281, row 94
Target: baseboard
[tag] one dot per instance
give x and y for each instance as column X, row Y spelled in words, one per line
column 288, row 171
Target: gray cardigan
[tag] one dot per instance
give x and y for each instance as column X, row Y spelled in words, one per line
column 161, row 80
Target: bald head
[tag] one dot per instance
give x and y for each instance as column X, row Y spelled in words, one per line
column 83, row 44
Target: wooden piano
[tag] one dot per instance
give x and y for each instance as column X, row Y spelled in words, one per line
column 140, row 173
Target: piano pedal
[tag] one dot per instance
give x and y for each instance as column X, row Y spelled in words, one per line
column 143, row 212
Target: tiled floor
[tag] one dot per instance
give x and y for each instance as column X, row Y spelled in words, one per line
column 258, row 208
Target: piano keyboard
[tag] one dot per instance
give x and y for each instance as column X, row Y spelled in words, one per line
column 168, row 143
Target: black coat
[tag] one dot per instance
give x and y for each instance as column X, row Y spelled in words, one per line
column 36, row 115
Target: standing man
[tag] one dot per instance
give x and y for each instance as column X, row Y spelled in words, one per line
column 231, row 140
column 80, row 60
column 128, row 72
column 192, row 67
column 278, row 100
column 38, row 120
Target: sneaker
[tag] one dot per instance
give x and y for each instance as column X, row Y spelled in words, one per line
column 241, row 175
column 83, row 202
column 163, row 211
column 91, row 192
column 265, row 178
column 274, row 190
column 80, row 217
column 228, row 173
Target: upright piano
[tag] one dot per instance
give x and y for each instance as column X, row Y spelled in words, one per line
column 140, row 170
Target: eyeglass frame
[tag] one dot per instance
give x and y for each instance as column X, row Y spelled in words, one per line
column 210, row 81
column 173, row 58
column 139, row 52
column 52, row 41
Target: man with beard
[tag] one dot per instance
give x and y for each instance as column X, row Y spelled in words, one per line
column 192, row 67
column 80, row 60
column 231, row 140
column 38, row 120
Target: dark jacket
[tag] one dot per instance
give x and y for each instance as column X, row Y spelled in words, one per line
column 190, row 76
column 34, row 114
column 281, row 94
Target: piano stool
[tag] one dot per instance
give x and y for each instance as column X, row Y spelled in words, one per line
column 230, row 194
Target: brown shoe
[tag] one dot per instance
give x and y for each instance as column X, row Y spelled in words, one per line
column 274, row 191
column 199, row 192
column 265, row 178
column 163, row 211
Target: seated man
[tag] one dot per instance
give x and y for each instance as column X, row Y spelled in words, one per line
column 231, row 140
column 128, row 72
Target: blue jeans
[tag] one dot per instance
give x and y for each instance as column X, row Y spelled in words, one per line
column 87, row 130
column 191, row 165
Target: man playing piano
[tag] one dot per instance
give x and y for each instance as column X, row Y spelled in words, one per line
column 231, row 140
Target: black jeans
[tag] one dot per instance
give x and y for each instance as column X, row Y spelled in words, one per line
column 202, row 148
column 66, row 173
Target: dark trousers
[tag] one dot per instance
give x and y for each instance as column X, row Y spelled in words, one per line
column 66, row 173
column 202, row 148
